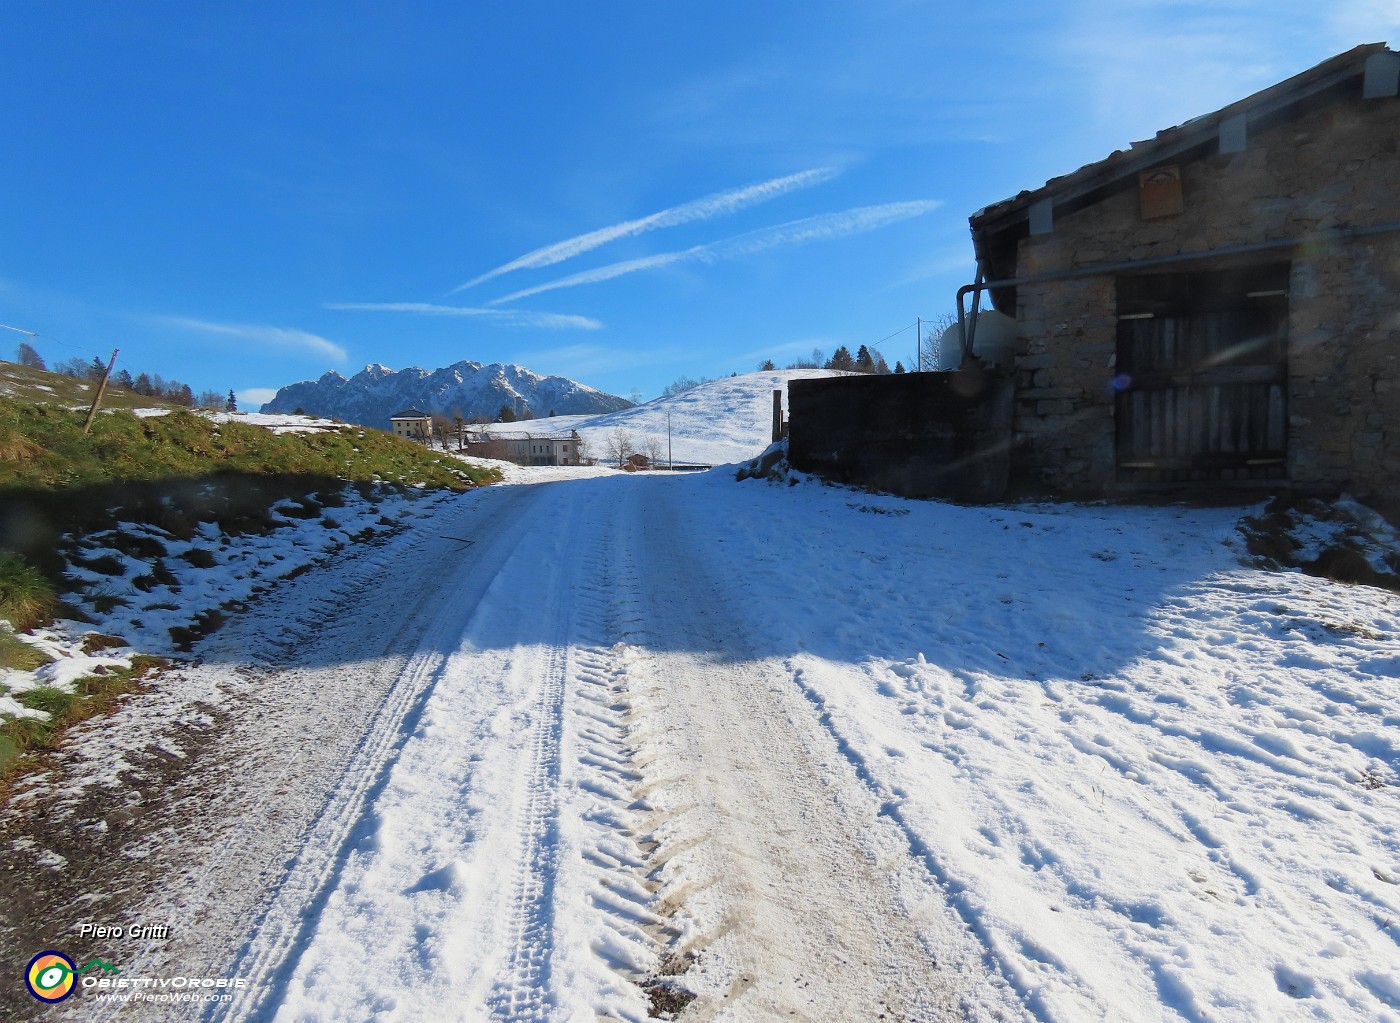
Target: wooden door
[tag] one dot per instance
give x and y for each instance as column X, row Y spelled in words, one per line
column 1202, row 385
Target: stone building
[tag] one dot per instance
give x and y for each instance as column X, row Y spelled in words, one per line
column 1218, row 304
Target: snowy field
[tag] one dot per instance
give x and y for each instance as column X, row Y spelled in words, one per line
column 715, row 423
column 595, row 746
column 277, row 422
column 1155, row 784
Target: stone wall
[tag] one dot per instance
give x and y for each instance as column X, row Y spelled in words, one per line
column 1332, row 168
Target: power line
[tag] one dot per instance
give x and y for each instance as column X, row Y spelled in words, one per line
column 49, row 338
column 901, row 330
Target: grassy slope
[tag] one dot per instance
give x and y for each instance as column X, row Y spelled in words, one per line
column 20, row 383
column 175, row 470
column 43, row 447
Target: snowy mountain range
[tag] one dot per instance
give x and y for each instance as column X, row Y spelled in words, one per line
column 375, row 393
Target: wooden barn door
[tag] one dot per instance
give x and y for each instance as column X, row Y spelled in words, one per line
column 1202, row 381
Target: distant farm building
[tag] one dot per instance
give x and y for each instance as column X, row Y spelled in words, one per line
column 413, row 424
column 564, row 449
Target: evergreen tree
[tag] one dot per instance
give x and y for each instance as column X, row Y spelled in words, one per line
column 506, row 415
column 898, row 366
column 232, row 404
column 123, row 379
column 142, row 385
column 841, row 360
column 766, row 366
column 864, row 362
column 27, row 356
column 97, row 369
column 881, row 366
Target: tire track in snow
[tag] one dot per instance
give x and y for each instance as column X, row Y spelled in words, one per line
column 798, row 894
column 522, row 992
column 286, row 923
column 576, row 828
column 272, row 666
column 492, row 852
column 631, row 936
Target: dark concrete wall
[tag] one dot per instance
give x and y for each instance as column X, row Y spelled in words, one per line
column 945, row 435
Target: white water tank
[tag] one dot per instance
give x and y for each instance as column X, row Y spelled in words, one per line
column 994, row 342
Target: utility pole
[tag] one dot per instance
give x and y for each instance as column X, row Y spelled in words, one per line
column 101, row 390
column 919, row 346
column 670, row 462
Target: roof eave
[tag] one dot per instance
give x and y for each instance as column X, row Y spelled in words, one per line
column 1170, row 142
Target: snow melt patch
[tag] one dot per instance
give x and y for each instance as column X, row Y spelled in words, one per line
column 148, row 599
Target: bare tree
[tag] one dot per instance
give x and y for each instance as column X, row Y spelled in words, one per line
column 815, row 361
column 929, row 345
column 443, row 428
column 619, row 445
column 653, row 449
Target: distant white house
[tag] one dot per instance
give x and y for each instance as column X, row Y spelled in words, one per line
column 413, row 424
column 558, row 449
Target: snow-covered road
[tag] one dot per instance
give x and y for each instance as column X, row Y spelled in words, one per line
column 589, row 794
column 770, row 752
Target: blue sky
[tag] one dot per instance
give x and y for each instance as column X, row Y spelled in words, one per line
column 243, row 195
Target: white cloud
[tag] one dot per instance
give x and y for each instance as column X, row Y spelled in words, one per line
column 606, row 273
column 717, row 205
column 251, row 398
column 823, row 227
column 276, row 337
column 508, row 317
